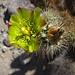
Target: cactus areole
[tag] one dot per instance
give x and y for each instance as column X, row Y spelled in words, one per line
column 24, row 28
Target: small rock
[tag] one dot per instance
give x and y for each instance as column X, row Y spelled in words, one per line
column 14, row 52
column 2, row 36
column 3, row 50
column 14, row 56
column 2, row 30
column 5, row 42
column 12, row 59
column 12, row 48
column 18, row 48
column 24, row 59
column 7, row 21
column 2, row 56
column 20, row 51
column 6, row 36
column 5, row 28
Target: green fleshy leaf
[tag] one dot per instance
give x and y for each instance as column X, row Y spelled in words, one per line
column 37, row 12
column 30, row 48
column 15, row 19
column 23, row 13
column 39, row 28
column 13, row 33
column 16, row 45
column 33, row 45
column 32, row 17
column 23, row 43
column 36, row 46
column 11, row 38
column 26, row 48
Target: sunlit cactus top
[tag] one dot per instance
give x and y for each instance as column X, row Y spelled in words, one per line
column 24, row 27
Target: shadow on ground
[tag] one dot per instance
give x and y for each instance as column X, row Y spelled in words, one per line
column 34, row 64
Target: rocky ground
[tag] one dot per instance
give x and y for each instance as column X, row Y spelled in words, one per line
column 9, row 55
column 9, row 62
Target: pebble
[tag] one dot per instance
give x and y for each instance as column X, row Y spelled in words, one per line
column 3, row 50
column 7, row 22
column 2, row 36
column 14, row 52
column 5, row 42
column 5, row 28
column 14, row 56
column 2, row 30
column 2, row 56
column 20, row 51
column 12, row 48
column 18, row 48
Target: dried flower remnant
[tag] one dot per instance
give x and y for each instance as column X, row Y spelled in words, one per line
column 54, row 34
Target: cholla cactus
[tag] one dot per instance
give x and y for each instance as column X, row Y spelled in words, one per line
column 54, row 38
column 26, row 30
column 24, row 27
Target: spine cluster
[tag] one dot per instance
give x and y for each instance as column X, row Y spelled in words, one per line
column 47, row 47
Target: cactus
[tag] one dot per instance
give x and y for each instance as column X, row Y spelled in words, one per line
column 47, row 35
column 55, row 38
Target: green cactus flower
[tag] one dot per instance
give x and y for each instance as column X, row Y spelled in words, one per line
column 24, row 28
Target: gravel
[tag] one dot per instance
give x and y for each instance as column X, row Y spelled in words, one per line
column 8, row 54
